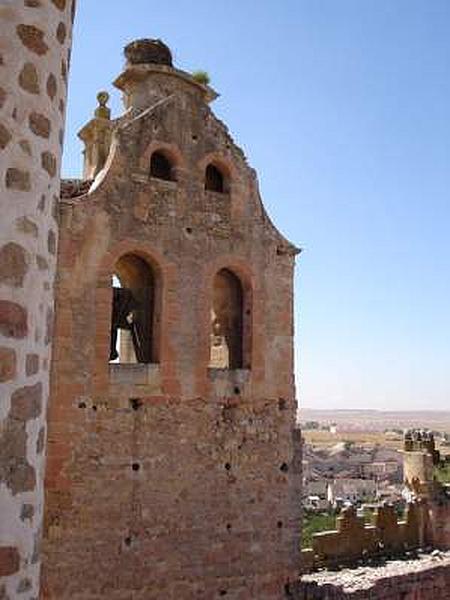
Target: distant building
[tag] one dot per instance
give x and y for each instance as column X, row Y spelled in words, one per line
column 351, row 490
column 382, row 470
column 315, row 503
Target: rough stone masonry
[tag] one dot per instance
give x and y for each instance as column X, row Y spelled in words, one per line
column 171, row 464
column 35, row 39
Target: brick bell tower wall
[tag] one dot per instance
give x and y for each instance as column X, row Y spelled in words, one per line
column 35, row 40
column 176, row 476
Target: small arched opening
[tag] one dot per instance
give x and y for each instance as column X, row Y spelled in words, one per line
column 133, row 311
column 215, row 180
column 161, row 167
column 227, row 323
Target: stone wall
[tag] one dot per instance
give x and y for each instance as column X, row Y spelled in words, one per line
column 171, row 479
column 420, row 461
column 35, row 39
column 424, row 578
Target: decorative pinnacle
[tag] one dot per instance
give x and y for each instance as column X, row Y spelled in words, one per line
column 102, row 111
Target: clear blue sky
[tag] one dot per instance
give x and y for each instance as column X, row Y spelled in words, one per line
column 343, row 107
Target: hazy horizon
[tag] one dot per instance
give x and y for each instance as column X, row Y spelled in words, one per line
column 377, row 410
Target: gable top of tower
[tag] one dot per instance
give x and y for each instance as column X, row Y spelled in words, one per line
column 149, row 66
column 168, row 120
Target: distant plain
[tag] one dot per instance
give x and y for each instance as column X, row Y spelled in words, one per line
column 368, row 427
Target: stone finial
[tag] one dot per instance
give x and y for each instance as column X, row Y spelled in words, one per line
column 102, row 111
column 96, row 135
column 148, row 51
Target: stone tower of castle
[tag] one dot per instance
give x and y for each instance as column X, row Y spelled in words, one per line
column 420, row 458
column 172, row 470
column 35, row 39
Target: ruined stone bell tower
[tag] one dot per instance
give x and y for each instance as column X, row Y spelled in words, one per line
column 35, row 41
column 171, row 463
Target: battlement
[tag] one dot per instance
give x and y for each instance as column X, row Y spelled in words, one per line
column 420, row 440
column 353, row 540
column 426, row 523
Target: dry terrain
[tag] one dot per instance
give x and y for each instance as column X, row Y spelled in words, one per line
column 367, row 427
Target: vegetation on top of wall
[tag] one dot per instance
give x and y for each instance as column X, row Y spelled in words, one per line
column 314, row 523
column 201, row 77
column 442, row 472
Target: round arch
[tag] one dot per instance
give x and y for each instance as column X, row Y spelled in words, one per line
column 169, row 151
column 230, row 293
column 217, row 172
column 128, row 261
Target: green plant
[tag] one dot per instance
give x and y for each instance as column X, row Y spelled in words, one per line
column 201, row 77
column 442, row 472
column 314, row 523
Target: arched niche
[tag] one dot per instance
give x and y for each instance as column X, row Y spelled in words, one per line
column 216, row 179
column 162, row 166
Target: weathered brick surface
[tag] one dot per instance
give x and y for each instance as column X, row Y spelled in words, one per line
column 183, row 516
column 171, row 480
